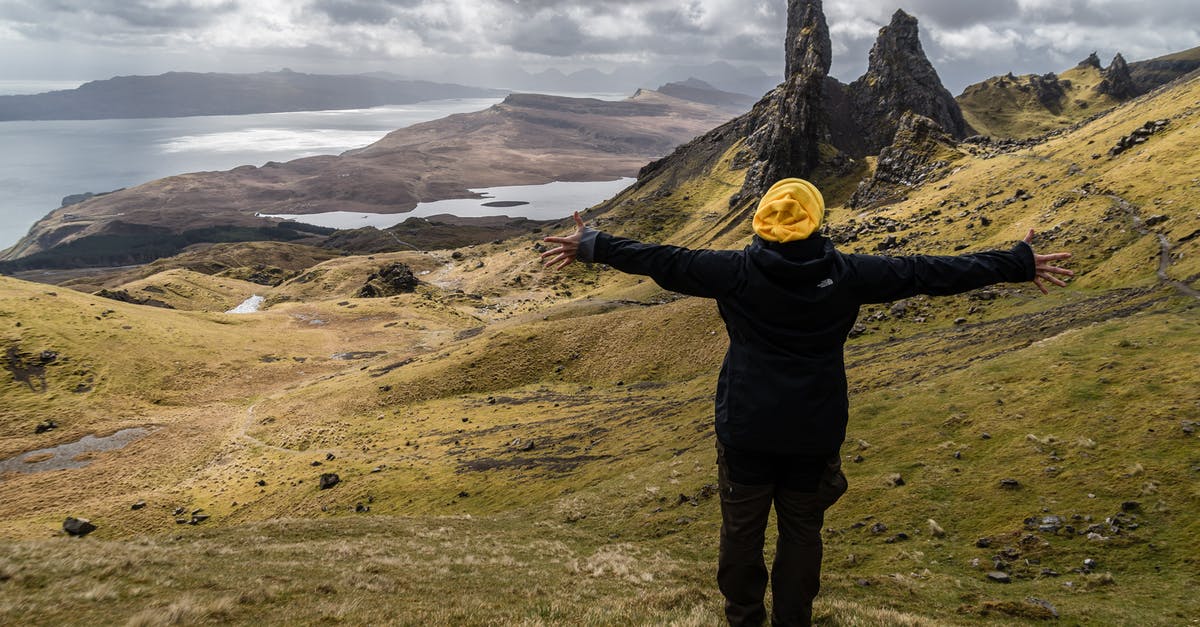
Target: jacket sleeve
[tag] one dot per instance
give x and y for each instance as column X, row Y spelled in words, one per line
column 707, row 273
column 879, row 279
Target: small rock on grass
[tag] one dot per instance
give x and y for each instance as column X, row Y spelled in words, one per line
column 78, row 526
column 328, row 480
column 999, row 577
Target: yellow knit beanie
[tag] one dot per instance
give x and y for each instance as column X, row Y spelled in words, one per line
column 790, row 211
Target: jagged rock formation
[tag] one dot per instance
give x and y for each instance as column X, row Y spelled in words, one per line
column 920, row 151
column 1093, row 61
column 1118, row 82
column 900, row 79
column 389, row 280
column 789, row 123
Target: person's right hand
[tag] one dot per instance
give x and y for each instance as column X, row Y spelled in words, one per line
column 568, row 247
column 1045, row 271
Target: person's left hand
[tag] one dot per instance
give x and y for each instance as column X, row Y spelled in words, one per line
column 1044, row 270
column 568, row 248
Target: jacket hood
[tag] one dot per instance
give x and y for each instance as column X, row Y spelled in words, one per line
column 810, row 259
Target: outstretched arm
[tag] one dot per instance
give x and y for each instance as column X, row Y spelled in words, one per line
column 883, row 279
column 707, row 273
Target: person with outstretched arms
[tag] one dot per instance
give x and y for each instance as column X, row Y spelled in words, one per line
column 789, row 300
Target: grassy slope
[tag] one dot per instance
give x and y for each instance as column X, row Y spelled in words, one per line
column 610, row 380
column 1002, row 107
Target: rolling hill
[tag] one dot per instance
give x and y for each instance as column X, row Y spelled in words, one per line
column 517, row 446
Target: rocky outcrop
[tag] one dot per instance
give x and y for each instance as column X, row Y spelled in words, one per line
column 389, row 280
column 920, row 152
column 1118, row 82
column 788, row 124
column 1139, row 136
column 1093, row 61
column 125, row 297
column 900, row 79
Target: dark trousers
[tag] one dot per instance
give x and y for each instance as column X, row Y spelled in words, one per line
column 801, row 490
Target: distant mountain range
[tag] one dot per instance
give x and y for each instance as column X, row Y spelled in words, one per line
column 721, row 75
column 180, row 94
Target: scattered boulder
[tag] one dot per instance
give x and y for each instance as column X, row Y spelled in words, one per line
column 1050, row 524
column 44, row 426
column 1010, row 484
column 328, row 480
column 1139, row 136
column 138, row 505
column 521, row 445
column 999, row 577
column 390, row 280
column 1049, row 609
column 78, row 526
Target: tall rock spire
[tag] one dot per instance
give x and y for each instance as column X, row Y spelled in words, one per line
column 790, row 122
column 807, row 44
column 900, row 79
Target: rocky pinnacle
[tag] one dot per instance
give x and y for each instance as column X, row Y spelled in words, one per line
column 1118, row 82
column 790, row 123
column 807, row 45
column 900, row 79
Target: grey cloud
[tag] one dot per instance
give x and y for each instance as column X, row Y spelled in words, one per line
column 142, row 14
column 363, row 11
column 355, row 11
column 676, row 21
column 956, row 14
column 557, row 35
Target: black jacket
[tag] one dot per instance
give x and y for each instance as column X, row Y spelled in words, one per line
column 788, row 309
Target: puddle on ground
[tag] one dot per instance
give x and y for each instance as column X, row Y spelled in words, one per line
column 70, row 455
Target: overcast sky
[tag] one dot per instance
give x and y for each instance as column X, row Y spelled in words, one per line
column 463, row 39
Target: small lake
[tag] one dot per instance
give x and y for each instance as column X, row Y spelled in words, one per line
column 536, row 202
column 67, row 455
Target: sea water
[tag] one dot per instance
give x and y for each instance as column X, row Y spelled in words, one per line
column 43, row 161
